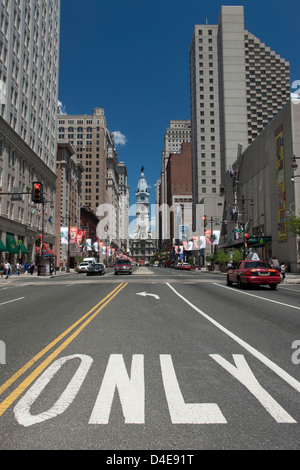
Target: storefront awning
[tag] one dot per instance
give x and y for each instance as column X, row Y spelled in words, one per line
column 46, row 250
column 2, row 246
column 24, row 250
column 11, row 244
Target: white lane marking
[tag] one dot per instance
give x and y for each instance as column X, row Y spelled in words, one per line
column 292, row 290
column 274, row 367
column 242, row 372
column 181, row 412
column 14, row 300
column 131, row 391
column 257, row 296
column 144, row 294
column 22, row 408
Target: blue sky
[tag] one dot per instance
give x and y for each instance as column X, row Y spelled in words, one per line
column 131, row 57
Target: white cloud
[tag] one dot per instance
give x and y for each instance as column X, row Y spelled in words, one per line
column 61, row 107
column 119, row 138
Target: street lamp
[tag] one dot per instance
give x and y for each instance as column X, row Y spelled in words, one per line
column 293, row 177
column 294, row 163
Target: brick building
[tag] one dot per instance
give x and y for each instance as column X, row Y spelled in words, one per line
column 179, row 190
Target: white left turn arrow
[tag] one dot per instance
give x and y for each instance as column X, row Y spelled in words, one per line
column 144, row 294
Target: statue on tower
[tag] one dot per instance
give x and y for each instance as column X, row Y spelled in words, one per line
column 142, row 169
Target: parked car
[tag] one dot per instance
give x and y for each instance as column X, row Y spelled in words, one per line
column 185, row 266
column 83, row 267
column 249, row 272
column 123, row 266
column 96, row 269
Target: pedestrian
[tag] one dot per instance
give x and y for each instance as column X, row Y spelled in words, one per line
column 1, row 269
column 7, row 269
column 26, row 267
column 31, row 269
column 283, row 269
column 18, row 266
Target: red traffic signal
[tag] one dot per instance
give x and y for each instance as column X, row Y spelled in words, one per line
column 37, row 192
column 204, row 220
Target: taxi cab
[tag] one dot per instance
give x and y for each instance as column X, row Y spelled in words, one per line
column 249, row 272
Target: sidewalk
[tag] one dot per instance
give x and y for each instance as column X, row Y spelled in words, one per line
column 14, row 276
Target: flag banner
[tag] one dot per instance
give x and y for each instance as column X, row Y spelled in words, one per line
column 89, row 244
column 196, row 242
column 207, row 234
column 104, row 250
column 184, row 244
column 176, row 249
column 216, row 237
column 202, row 242
column 190, row 246
column 64, row 231
column 73, row 232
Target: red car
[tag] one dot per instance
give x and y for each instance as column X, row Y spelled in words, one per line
column 250, row 272
column 185, row 266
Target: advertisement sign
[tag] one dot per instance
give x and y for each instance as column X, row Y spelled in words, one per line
column 73, row 233
column 280, row 180
column 64, row 235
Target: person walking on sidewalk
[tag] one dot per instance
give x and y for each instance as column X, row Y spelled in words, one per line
column 31, row 269
column 18, row 266
column 283, row 268
column 26, row 267
column 7, row 269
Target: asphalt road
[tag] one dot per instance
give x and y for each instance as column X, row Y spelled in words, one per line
column 160, row 360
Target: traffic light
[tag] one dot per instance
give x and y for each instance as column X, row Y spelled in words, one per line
column 246, row 239
column 40, row 240
column 204, row 220
column 37, row 192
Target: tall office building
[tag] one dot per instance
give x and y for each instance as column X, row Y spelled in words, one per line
column 90, row 137
column 123, row 207
column 29, row 62
column 29, row 59
column 179, row 131
column 237, row 86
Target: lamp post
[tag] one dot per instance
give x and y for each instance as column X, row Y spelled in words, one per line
column 294, row 163
column 243, row 199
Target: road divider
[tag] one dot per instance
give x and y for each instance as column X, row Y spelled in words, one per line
column 78, row 326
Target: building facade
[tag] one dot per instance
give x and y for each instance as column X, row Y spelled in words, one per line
column 88, row 134
column 142, row 244
column 29, row 62
column 67, row 204
column 237, row 86
column 179, row 193
column 261, row 195
column 179, row 131
column 123, row 207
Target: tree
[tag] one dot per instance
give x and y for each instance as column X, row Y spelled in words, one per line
column 293, row 225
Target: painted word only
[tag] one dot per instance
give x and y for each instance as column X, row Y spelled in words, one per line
column 131, row 391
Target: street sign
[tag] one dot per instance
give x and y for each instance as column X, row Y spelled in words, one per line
column 15, row 196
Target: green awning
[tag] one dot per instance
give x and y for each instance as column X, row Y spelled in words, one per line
column 2, row 246
column 11, row 244
column 24, row 250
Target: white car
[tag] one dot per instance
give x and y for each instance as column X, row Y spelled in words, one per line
column 83, row 267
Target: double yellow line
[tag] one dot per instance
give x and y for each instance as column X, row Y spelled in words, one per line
column 78, row 326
